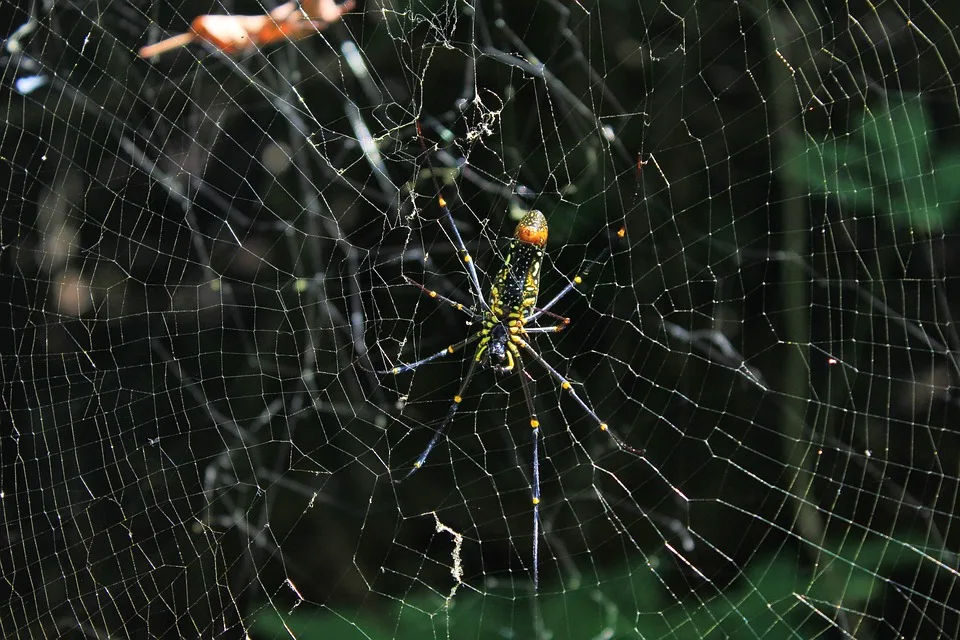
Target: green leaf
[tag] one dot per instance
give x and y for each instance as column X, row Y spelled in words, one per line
column 946, row 182
column 831, row 168
column 773, row 598
column 896, row 138
column 884, row 164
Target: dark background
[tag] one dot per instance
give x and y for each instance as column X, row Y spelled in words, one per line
column 202, row 261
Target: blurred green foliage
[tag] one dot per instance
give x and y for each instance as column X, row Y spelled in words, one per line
column 888, row 163
column 776, row 596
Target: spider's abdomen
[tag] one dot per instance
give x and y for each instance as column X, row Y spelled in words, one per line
column 515, row 288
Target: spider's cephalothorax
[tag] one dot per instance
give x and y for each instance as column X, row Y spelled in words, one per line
column 513, row 294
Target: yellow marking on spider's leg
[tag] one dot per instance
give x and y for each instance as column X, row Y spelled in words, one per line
column 621, row 232
column 442, row 201
column 457, row 399
column 395, row 370
column 578, row 280
column 432, row 294
column 480, row 351
column 534, row 423
column 536, row 501
column 450, row 349
column 467, row 258
column 417, row 465
column 604, row 426
column 566, row 385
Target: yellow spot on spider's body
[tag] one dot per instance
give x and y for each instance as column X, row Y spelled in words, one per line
column 534, row 423
column 457, row 399
column 603, row 426
column 578, row 280
column 536, row 501
column 565, row 385
column 443, row 203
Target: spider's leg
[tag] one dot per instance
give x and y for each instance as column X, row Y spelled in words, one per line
column 461, row 247
column 560, row 319
column 444, row 352
column 577, row 280
column 554, row 329
column 464, row 254
column 476, row 317
column 535, row 424
column 451, row 412
column 568, row 387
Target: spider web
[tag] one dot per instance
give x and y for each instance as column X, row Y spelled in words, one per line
column 203, row 259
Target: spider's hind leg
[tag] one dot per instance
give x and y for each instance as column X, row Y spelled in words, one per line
column 451, row 412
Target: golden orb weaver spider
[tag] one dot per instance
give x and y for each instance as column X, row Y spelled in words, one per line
column 504, row 318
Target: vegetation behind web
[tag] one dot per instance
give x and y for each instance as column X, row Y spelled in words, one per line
column 202, row 260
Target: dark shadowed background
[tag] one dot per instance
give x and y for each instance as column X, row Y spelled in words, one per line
column 202, row 261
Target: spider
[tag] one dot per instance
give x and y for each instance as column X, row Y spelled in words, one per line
column 503, row 339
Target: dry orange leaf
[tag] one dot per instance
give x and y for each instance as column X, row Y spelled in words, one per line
column 238, row 34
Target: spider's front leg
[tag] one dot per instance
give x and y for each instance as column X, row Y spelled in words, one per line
column 446, row 351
